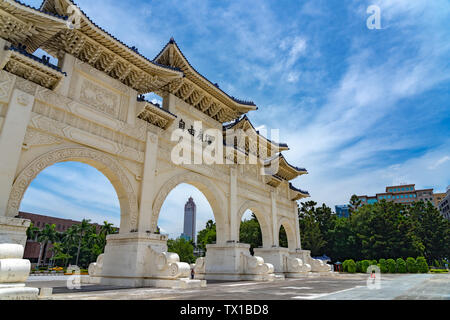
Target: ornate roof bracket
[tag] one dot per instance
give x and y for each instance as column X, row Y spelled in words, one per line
column 21, row 24
column 272, row 180
column 154, row 114
column 285, row 170
column 38, row 70
column 256, row 144
column 93, row 45
column 297, row 194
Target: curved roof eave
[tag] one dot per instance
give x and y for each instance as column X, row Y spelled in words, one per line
column 248, row 105
column 281, row 146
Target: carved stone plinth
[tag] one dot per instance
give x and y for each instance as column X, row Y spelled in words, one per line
column 14, row 230
column 140, row 260
column 14, row 272
column 284, row 264
column 232, row 261
column 316, row 265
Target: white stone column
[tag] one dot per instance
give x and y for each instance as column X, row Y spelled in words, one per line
column 297, row 226
column 275, row 237
column 169, row 102
column 11, row 139
column 148, row 183
column 234, row 224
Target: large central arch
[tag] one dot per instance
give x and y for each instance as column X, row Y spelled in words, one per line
column 208, row 188
column 99, row 160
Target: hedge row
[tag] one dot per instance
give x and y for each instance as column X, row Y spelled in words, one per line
column 411, row 265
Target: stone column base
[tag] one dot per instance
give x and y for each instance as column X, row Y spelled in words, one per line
column 183, row 283
column 140, row 260
column 232, row 262
column 284, row 264
column 316, row 265
column 18, row 293
column 14, row 272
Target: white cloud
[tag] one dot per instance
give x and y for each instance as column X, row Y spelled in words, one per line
column 439, row 162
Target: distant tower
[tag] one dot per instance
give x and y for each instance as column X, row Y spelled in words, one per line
column 190, row 210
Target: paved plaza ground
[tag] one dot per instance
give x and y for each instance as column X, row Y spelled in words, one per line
column 312, row 287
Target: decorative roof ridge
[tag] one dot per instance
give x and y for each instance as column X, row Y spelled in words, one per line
column 41, row 11
column 290, row 165
column 238, row 120
column 239, row 101
column 291, row 186
column 44, row 60
column 140, row 98
column 133, row 48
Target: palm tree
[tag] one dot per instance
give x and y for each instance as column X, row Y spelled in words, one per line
column 81, row 230
column 32, row 232
column 46, row 236
column 107, row 228
column 58, row 251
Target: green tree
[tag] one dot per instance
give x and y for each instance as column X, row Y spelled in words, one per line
column 81, row 230
column 383, row 229
column 391, row 265
column 107, row 228
column 343, row 240
column 59, row 254
column 207, row 235
column 316, row 227
column 250, row 233
column 432, row 229
column 411, row 265
column 283, row 238
column 351, row 266
column 311, row 236
column 364, row 265
column 32, row 232
column 46, row 236
column 383, row 265
column 355, row 203
column 183, row 248
column 401, row 265
column 422, row 265
column 358, row 266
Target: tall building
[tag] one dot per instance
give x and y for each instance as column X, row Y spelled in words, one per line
column 438, row 197
column 444, row 205
column 405, row 194
column 190, row 210
column 343, row 211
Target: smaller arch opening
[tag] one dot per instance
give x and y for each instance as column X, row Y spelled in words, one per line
column 282, row 237
column 250, row 231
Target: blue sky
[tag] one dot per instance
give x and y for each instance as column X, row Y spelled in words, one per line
column 359, row 108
